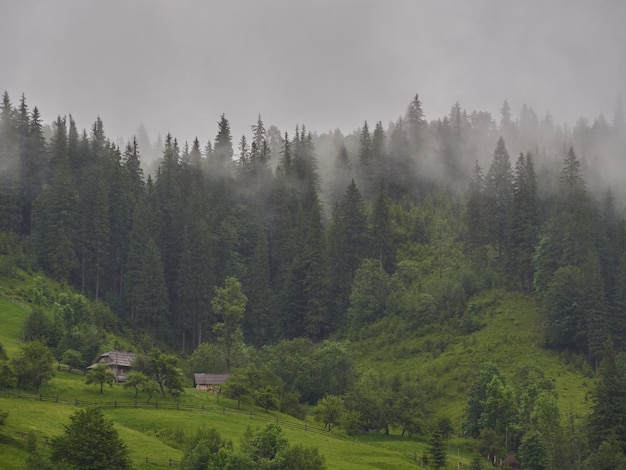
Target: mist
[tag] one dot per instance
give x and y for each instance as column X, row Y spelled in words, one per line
column 177, row 66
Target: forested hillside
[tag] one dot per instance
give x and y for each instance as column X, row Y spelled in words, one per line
column 321, row 238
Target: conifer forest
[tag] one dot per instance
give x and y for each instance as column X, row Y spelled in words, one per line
column 287, row 243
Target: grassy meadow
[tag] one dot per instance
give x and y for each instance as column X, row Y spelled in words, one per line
column 158, row 434
column 446, row 362
column 441, row 359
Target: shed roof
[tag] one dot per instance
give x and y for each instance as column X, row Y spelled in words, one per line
column 210, row 379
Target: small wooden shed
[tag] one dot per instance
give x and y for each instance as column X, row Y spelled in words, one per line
column 119, row 363
column 210, row 382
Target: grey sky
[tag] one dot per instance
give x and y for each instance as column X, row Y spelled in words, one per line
column 177, row 65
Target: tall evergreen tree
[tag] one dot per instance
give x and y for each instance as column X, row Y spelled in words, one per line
column 379, row 163
column 306, row 302
column 476, row 216
column 365, row 167
column 223, row 147
column 608, row 417
column 151, row 303
column 10, row 208
column 348, row 246
column 168, row 189
column 341, row 176
column 416, row 125
column 402, row 173
column 196, row 281
column 258, row 289
column 382, row 233
column 55, row 221
column 524, row 223
column 498, row 189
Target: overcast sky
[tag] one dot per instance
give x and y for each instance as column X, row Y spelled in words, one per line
column 178, row 65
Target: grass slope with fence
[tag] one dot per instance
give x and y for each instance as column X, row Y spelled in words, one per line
column 155, row 431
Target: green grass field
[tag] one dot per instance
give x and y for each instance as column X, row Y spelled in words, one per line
column 157, row 434
column 510, row 337
column 13, row 317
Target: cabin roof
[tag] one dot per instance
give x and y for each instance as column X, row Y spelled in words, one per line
column 115, row 358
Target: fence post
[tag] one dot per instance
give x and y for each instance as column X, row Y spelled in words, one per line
column 156, row 404
column 40, row 397
column 305, row 427
column 177, row 407
column 202, row 407
column 115, row 404
column 135, row 403
column 75, row 401
column 57, row 398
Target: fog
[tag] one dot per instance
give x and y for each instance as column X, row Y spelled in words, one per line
column 177, row 66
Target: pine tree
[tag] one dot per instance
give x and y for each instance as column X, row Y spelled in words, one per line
column 195, row 283
column 348, row 246
column 305, row 306
column 498, row 189
column 143, row 227
column 133, row 170
column 286, row 157
column 223, row 148
column 168, row 190
column 55, row 220
column 608, row 417
column 259, row 291
column 382, row 234
column 416, row 125
column 437, row 451
column 10, row 208
column 402, row 179
column 151, row 303
column 476, row 223
column 524, row 223
column 574, row 219
column 379, row 164
column 365, row 156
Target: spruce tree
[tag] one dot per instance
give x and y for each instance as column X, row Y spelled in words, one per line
column 10, row 207
column 524, row 224
column 382, row 233
column 437, row 451
column 608, row 416
column 402, row 172
column 348, row 246
column 498, row 189
column 55, row 221
column 223, row 147
column 475, row 214
column 195, row 283
column 415, row 125
column 151, row 302
column 365, row 167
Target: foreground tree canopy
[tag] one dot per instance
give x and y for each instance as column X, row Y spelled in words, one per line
column 90, row 442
